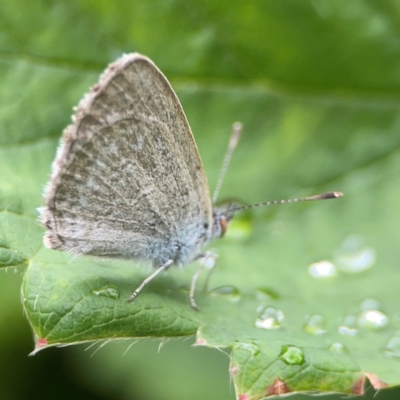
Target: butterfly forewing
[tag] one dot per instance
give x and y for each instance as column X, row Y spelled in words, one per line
column 128, row 180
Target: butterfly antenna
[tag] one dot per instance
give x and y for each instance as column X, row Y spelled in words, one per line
column 322, row 196
column 233, row 141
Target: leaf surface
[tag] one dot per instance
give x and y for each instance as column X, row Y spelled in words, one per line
column 316, row 85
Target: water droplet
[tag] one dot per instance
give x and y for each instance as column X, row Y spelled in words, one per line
column 348, row 326
column 372, row 317
column 393, row 347
column 292, row 355
column 269, row 318
column 264, row 293
column 109, row 291
column 252, row 347
column 373, row 320
column 315, row 324
column 338, row 347
column 229, row 292
column 322, row 269
column 355, row 256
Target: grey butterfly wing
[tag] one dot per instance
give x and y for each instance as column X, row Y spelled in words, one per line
column 128, row 181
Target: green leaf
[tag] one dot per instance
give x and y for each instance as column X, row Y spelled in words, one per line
column 316, row 85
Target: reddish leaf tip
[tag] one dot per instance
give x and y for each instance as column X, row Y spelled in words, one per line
column 41, row 343
column 375, row 382
column 358, row 387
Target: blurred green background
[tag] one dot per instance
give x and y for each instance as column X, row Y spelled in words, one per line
column 319, row 80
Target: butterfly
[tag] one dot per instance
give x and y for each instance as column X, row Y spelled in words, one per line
column 128, row 181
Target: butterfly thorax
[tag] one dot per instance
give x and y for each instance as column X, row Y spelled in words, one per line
column 189, row 245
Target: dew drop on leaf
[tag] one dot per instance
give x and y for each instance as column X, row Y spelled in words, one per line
column 338, row 347
column 372, row 317
column 109, row 291
column 322, row 269
column 269, row 318
column 348, row 326
column 315, row 324
column 292, row 355
column 228, row 292
column 372, row 320
column 393, row 347
column 355, row 256
column 252, row 347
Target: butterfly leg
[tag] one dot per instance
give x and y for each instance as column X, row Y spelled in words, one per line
column 205, row 262
column 148, row 279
